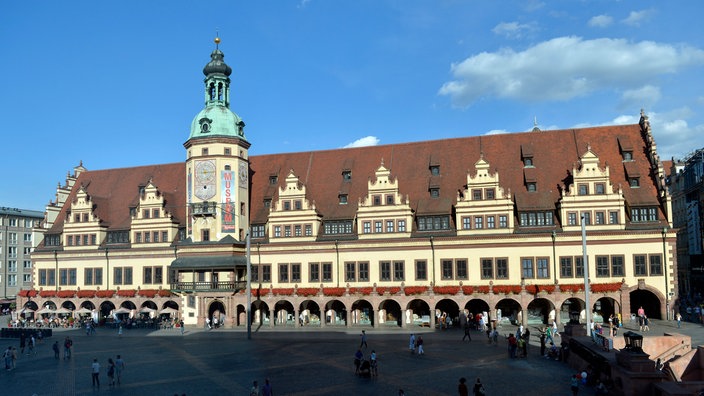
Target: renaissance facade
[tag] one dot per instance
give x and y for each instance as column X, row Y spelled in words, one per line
column 392, row 235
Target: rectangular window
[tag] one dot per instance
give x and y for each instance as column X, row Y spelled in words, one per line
column 466, row 223
column 309, row 230
column 640, row 267
column 655, row 265
column 283, row 273
column 342, row 199
column 363, row 268
column 327, row 272
column 205, row 235
column 147, row 275
column 587, row 218
column 377, row 227
column 578, row 267
column 164, row 236
column 613, row 217
column 600, row 188
column 583, row 189
column 63, row 277
column 402, row 226
column 156, row 213
column 389, row 199
column 266, row 273
column 566, row 270
column 298, row 204
column 490, row 222
column 477, row 195
column 315, row 272
column 254, row 276
column 527, row 270
column 69, row 240
column 389, row 226
column 478, row 222
column 487, row 269
column 93, row 276
column 287, row 205
column 617, row 266
column 145, row 213
column 501, row 268
column 350, row 272
column 446, row 266
column 489, row 193
column 376, row 200
column 297, row 230
column 421, row 270
column 602, row 266
column 287, row 231
column 385, row 270
column 600, row 218
column 296, row 272
column 117, row 275
column 367, row 227
column 277, row 231
column 461, row 269
column 542, row 267
column 572, row 218
column 503, row 221
column 399, row 270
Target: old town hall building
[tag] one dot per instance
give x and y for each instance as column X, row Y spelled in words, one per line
column 390, row 235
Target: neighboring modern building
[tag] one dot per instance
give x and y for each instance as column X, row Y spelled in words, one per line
column 686, row 183
column 16, row 244
column 392, row 235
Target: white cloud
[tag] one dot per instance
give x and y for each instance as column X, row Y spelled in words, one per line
column 645, row 96
column 363, row 142
column 564, row 68
column 303, row 3
column 513, row 30
column 600, row 21
column 496, row 132
column 635, row 18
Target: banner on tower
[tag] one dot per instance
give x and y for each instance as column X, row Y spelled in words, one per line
column 227, row 199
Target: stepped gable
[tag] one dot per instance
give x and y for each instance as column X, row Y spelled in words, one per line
column 555, row 153
column 114, row 191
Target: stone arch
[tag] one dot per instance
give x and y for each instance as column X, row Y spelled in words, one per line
column 605, row 306
column 128, row 304
column 149, row 304
column 362, row 313
column 418, row 313
column 649, row 300
column 511, row 309
column 50, row 304
column 260, row 312
column 31, row 305
column 106, row 307
column 284, row 313
column 216, row 313
column 87, row 304
column 68, row 304
column 540, row 311
column 335, row 313
column 477, row 305
column 389, row 313
column 241, row 315
column 170, row 304
column 447, row 313
column 311, row 312
column 571, row 304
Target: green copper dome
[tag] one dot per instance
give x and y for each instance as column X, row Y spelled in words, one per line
column 216, row 119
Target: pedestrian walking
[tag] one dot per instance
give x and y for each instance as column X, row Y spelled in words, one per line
column 466, row 332
column 95, row 373
column 119, row 368
column 111, row 372
column 255, row 389
column 266, row 389
column 7, row 357
column 421, row 351
column 358, row 356
column 478, row 389
column 412, row 344
column 373, row 363
column 55, row 347
column 574, row 384
column 180, row 324
column 678, row 317
column 646, row 322
column 23, row 342
column 68, row 343
column 364, row 339
column 462, row 387
column 31, row 343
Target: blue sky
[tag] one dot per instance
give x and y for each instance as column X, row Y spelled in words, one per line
column 116, row 84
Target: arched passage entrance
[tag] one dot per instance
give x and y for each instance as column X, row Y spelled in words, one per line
column 335, row 313
column 68, row 305
column 362, row 313
column 648, row 300
column 260, row 313
column 418, row 313
column 284, row 314
column 389, row 313
column 310, row 313
column 105, row 308
column 510, row 310
column 447, row 313
column 572, row 304
column 605, row 307
column 540, row 311
column 216, row 313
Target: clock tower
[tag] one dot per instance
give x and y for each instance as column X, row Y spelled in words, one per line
column 217, row 162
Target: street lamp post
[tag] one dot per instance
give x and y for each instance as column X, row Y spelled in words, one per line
column 554, row 262
column 585, row 262
column 667, row 284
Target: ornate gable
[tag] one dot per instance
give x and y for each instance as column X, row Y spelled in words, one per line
column 483, row 206
column 591, row 195
column 384, row 212
column 292, row 214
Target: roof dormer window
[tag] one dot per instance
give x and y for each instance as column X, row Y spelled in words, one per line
column 346, row 175
column 342, row 199
column 627, row 156
column 528, row 161
column 434, row 192
column 273, row 180
column 435, row 170
column 531, row 186
column 634, row 182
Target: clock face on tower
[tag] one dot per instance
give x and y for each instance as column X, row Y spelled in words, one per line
column 205, row 179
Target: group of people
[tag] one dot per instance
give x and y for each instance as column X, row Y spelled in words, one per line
column 365, row 367
column 477, row 389
column 114, row 371
column 643, row 321
column 415, row 344
column 266, row 389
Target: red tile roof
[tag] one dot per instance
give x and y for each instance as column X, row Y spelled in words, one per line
column 554, row 153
